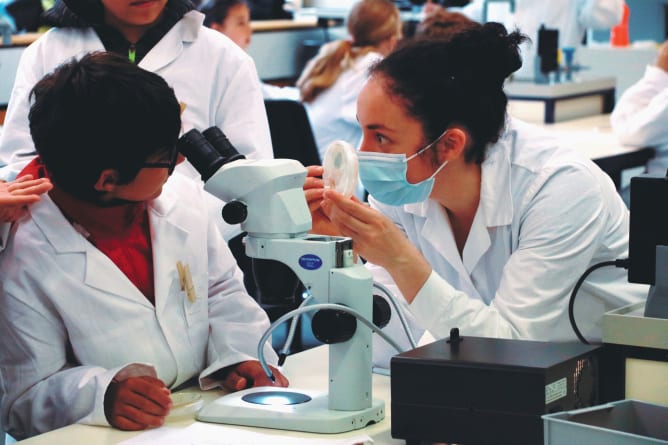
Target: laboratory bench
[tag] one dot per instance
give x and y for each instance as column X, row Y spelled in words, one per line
column 593, row 137
column 307, row 370
column 560, row 101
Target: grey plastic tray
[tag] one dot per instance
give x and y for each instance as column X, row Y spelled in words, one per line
column 625, row 422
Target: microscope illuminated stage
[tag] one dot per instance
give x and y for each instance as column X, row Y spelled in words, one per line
column 266, row 197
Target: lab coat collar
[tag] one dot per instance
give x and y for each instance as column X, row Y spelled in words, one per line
column 100, row 272
column 495, row 209
column 496, row 199
column 170, row 47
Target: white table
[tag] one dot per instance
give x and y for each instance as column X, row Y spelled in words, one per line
column 306, row 370
column 593, row 137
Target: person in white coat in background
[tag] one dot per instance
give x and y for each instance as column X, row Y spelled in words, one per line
column 476, row 221
column 640, row 115
column 117, row 286
column 233, row 18
column 216, row 81
column 331, row 81
column 572, row 18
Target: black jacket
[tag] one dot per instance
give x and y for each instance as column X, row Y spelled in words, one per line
column 90, row 13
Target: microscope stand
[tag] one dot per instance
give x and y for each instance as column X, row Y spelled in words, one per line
column 312, row 416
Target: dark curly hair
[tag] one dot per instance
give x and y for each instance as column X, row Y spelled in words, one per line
column 458, row 81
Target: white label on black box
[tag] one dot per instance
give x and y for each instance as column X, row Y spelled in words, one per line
column 555, row 390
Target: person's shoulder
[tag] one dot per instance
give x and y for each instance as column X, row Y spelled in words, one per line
column 56, row 35
column 182, row 190
column 533, row 149
column 26, row 238
column 219, row 47
column 57, row 43
column 368, row 59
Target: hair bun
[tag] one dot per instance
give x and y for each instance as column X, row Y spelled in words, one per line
column 499, row 51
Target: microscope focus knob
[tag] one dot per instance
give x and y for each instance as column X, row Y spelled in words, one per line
column 331, row 326
column 235, row 212
column 381, row 311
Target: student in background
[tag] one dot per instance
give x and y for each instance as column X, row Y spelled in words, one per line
column 214, row 79
column 640, row 114
column 572, row 18
column 476, row 220
column 232, row 18
column 117, row 285
column 332, row 80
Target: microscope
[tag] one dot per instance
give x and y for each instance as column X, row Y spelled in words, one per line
column 266, row 197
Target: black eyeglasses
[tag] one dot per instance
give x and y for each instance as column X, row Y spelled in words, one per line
column 170, row 166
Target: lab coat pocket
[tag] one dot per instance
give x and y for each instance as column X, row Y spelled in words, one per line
column 196, row 310
column 195, row 305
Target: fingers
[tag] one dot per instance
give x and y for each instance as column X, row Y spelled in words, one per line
column 18, row 200
column 235, row 381
column 313, row 183
column 251, row 374
column 23, row 191
column 314, row 171
column 24, row 186
column 281, row 380
column 139, row 403
column 313, row 177
column 346, row 211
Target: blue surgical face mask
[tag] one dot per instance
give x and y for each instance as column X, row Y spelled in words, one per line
column 384, row 177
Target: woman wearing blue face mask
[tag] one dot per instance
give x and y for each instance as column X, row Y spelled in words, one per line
column 479, row 221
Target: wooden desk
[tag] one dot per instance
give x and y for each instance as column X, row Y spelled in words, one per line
column 306, row 370
column 593, row 136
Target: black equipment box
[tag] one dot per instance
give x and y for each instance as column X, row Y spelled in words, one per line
column 475, row 391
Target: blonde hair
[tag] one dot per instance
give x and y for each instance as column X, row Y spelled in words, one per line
column 369, row 23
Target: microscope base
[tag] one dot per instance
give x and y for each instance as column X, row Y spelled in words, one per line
column 313, row 416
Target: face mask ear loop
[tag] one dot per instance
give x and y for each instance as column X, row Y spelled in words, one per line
column 427, row 147
column 439, row 169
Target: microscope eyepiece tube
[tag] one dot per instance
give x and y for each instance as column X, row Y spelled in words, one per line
column 217, row 138
column 207, row 151
column 200, row 153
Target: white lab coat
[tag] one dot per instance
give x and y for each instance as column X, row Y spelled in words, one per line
column 70, row 320
column 640, row 115
column 333, row 114
column 215, row 79
column 571, row 17
column 210, row 74
column 545, row 215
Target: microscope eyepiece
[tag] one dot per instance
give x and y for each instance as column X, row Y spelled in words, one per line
column 207, row 151
column 217, row 138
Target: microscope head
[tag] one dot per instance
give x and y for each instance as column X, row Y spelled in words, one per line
column 265, row 196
